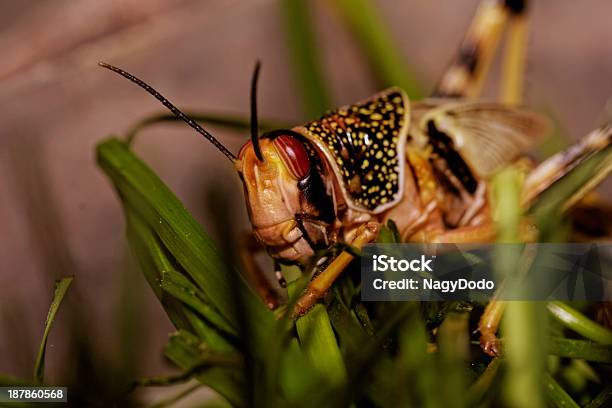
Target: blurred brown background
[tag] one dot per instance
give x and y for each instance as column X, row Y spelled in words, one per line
column 58, row 213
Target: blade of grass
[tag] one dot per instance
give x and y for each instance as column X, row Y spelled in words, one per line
column 61, row 287
column 185, row 350
column 372, row 34
column 453, row 341
column 181, row 288
column 351, row 335
column 157, row 268
column 576, row 321
column 360, row 373
column 7, row 380
column 207, row 360
column 415, row 372
column 140, row 189
column 166, row 280
column 318, row 342
column 574, row 184
column 152, row 260
column 524, row 322
column 524, row 353
column 556, row 395
column 286, row 367
column 581, row 349
column 233, row 122
column 353, row 338
column 506, row 190
column 320, row 346
column 305, row 58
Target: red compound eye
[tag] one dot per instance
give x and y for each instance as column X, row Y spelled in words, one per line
column 294, row 155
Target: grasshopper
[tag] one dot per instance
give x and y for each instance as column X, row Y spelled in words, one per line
column 426, row 165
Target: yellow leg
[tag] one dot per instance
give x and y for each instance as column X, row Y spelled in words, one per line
column 321, row 283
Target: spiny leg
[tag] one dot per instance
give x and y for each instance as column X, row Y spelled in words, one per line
column 465, row 76
column 321, row 283
column 248, row 246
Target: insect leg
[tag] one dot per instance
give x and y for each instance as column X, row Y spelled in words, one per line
column 248, row 247
column 321, row 283
column 491, row 317
column 488, row 325
column 467, row 72
column 515, row 54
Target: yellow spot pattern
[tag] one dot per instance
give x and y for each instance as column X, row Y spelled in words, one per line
column 369, row 132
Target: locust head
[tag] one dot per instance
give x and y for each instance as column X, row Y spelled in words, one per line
column 288, row 197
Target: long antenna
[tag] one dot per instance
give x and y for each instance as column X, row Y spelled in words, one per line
column 254, row 124
column 172, row 108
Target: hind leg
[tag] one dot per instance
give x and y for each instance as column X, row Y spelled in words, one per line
column 466, row 74
column 515, row 55
column 464, row 79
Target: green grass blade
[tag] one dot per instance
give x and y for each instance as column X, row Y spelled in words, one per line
column 453, row 341
column 506, row 190
column 7, row 380
column 186, row 351
column 416, row 377
column 388, row 234
column 576, row 321
column 556, row 395
column 353, row 339
column 140, row 189
column 162, row 277
column 369, row 360
column 579, row 180
column 373, row 36
column 232, row 122
column 351, row 336
column 305, row 58
column 286, row 367
column 524, row 353
column 580, row 349
column 320, row 346
column 61, row 287
column 207, row 360
column 152, row 259
column 524, row 322
column 181, row 288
